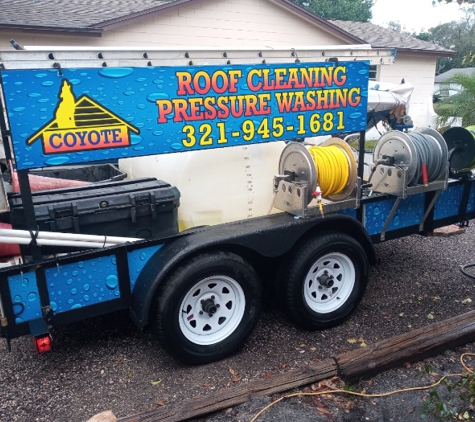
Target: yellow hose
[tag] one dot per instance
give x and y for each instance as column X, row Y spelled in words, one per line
column 332, row 168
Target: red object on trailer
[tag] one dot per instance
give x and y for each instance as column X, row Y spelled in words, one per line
column 38, row 183
column 8, row 249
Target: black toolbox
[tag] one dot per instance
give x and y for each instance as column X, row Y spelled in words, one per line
column 144, row 208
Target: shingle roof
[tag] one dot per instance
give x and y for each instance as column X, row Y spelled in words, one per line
column 70, row 14
column 378, row 36
column 452, row 72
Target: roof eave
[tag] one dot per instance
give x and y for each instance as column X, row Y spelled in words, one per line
column 323, row 23
column 438, row 53
column 91, row 32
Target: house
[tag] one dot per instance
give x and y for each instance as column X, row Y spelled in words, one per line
column 219, row 23
column 444, row 87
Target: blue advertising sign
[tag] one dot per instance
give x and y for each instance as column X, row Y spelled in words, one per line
column 79, row 116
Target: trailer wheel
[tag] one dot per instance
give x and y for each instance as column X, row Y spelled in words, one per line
column 324, row 280
column 208, row 307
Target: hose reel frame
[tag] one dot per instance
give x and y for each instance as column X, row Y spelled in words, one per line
column 297, row 182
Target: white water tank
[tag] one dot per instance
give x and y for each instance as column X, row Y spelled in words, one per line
column 216, row 185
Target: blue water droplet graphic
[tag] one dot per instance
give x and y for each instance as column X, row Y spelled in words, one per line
column 119, row 72
column 41, row 75
column 56, row 161
column 17, row 308
column 176, row 146
column 135, row 139
column 152, row 98
column 356, row 115
column 32, row 297
column 87, row 287
column 18, row 108
column 34, row 95
column 112, row 281
column 76, row 306
column 74, row 291
column 47, row 83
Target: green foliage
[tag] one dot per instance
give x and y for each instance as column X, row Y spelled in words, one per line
column 346, row 10
column 461, row 104
column 457, row 403
column 455, row 1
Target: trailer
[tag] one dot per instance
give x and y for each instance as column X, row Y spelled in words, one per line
column 92, row 249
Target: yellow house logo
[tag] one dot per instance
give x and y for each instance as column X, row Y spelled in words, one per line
column 82, row 125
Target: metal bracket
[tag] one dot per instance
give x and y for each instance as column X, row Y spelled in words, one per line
column 393, row 180
column 390, row 217
column 428, row 210
column 47, row 312
column 292, row 197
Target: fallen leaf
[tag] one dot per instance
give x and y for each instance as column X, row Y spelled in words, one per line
column 313, row 349
column 237, row 379
column 401, row 314
column 268, row 375
column 129, row 374
column 468, row 300
column 351, row 340
column 233, row 371
column 161, row 403
column 409, row 325
column 430, row 316
column 323, row 410
column 283, row 365
column 363, row 344
column 407, row 365
column 228, row 410
column 303, row 345
column 206, row 384
column 156, row 382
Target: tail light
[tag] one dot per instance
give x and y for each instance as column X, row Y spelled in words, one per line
column 42, row 343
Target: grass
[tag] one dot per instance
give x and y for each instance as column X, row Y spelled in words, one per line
column 368, row 145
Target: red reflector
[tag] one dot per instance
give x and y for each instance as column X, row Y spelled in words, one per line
column 42, row 343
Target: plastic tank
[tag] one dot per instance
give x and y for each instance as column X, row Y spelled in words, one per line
column 216, row 185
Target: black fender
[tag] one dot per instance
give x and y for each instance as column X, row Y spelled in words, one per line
column 269, row 236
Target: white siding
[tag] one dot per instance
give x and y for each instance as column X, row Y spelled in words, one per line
column 206, row 23
column 233, row 23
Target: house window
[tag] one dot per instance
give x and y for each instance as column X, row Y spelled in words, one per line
column 373, row 72
column 444, row 90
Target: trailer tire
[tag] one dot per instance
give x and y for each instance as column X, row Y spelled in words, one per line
column 321, row 284
column 208, row 307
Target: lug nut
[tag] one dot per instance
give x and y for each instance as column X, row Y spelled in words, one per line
column 212, row 297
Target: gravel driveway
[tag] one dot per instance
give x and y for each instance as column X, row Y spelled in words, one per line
column 106, row 363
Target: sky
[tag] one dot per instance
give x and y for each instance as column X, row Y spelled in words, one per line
column 414, row 15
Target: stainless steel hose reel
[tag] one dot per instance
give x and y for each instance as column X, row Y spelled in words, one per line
column 321, row 176
column 408, row 163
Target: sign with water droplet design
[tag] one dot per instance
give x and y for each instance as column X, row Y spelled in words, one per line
column 79, row 116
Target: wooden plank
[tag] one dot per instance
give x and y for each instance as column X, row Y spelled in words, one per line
column 408, row 347
column 237, row 395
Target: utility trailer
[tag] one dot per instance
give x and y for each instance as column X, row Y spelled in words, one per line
column 201, row 289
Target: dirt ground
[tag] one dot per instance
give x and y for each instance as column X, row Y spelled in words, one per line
column 106, row 363
column 402, row 406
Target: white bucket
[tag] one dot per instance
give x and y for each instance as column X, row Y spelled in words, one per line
column 216, row 185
